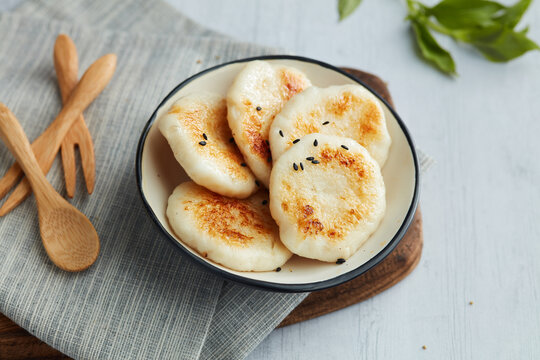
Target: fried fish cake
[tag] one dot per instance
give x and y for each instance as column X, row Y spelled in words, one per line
column 327, row 195
column 257, row 94
column 198, row 133
column 237, row 233
column 347, row 110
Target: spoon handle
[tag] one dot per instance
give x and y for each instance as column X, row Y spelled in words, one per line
column 15, row 139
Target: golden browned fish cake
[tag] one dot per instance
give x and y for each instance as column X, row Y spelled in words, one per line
column 238, row 234
column 327, row 195
column 347, row 110
column 258, row 93
column 197, row 130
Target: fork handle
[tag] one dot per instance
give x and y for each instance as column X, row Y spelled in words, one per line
column 92, row 83
column 66, row 64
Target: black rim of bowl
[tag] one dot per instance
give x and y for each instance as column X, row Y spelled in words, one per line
column 266, row 285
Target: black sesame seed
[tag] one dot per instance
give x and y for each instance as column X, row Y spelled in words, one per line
column 315, row 162
column 315, row 143
column 267, row 142
column 301, row 166
column 231, row 140
column 202, row 143
column 278, row 269
column 259, row 108
column 204, row 136
column 264, row 202
column 309, row 158
column 326, row 123
column 280, row 133
column 343, row 146
column 340, row 261
column 243, row 164
column 257, row 183
column 295, row 167
column 295, row 141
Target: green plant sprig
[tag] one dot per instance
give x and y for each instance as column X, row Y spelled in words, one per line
column 486, row 25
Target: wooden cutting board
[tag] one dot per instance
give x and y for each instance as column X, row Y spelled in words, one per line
column 17, row 343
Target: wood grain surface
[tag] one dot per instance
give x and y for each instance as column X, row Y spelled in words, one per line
column 16, row 343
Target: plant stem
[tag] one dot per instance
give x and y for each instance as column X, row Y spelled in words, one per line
column 439, row 28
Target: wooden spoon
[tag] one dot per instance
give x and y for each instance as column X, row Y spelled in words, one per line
column 46, row 146
column 68, row 236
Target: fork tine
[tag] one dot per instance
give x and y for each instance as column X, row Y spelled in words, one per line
column 86, row 150
column 10, row 178
column 68, row 162
column 20, row 193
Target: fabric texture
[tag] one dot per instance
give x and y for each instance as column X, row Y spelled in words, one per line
column 140, row 299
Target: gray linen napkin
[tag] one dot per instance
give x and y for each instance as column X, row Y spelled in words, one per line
column 140, row 299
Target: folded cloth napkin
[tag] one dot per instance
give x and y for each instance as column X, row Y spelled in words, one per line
column 140, row 299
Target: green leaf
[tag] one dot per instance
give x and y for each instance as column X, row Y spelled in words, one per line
column 459, row 14
column 416, row 9
column 499, row 43
column 347, row 7
column 431, row 50
column 525, row 30
column 513, row 14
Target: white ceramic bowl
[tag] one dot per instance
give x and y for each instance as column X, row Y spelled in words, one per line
column 158, row 174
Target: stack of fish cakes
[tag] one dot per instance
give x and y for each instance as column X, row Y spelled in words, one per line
column 318, row 151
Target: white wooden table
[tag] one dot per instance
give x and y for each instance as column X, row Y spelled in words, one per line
column 481, row 201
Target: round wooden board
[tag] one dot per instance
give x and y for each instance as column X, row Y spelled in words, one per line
column 17, row 344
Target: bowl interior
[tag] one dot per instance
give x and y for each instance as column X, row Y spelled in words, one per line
column 160, row 173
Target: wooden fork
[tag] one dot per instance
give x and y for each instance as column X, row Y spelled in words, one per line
column 67, row 67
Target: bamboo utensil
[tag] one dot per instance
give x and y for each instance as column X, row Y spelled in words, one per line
column 66, row 64
column 69, row 238
column 46, row 146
